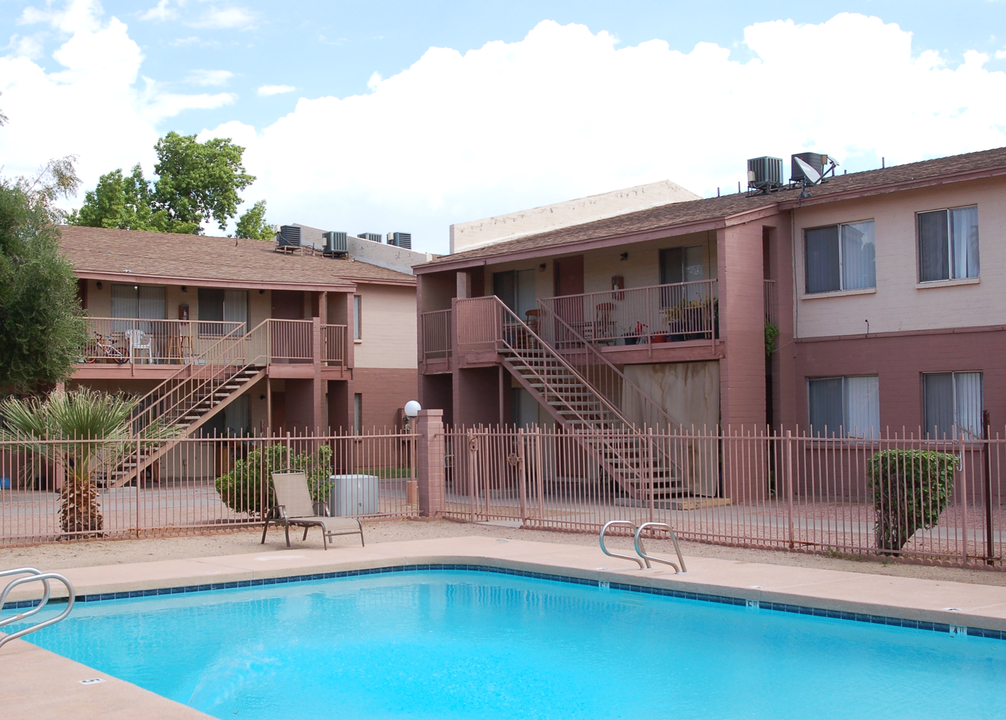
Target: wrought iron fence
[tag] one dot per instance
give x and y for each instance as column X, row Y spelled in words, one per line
column 936, row 501
column 202, row 484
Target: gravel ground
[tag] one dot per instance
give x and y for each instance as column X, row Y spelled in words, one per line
column 113, row 552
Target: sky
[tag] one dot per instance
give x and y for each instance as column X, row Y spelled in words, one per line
column 405, row 116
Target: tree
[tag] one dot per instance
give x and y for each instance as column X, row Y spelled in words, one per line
column 196, row 182
column 199, row 181
column 253, row 224
column 80, row 431
column 119, row 201
column 41, row 324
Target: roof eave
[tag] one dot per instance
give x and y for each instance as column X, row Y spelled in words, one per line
column 349, row 286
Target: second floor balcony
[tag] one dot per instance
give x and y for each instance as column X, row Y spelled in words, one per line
column 154, row 348
column 675, row 322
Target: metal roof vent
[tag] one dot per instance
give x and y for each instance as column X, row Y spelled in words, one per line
column 764, row 174
column 400, row 239
column 289, row 236
column 373, row 237
column 336, row 243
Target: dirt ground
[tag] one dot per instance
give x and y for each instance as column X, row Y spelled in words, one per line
column 112, row 552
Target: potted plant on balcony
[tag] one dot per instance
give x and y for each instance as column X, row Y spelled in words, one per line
column 636, row 334
column 672, row 318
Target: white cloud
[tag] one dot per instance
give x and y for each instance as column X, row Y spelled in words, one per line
column 266, row 90
column 565, row 113
column 94, row 105
column 1001, row 54
column 561, row 114
column 75, row 15
column 374, row 80
column 29, row 46
column 210, row 77
column 160, row 12
column 229, row 17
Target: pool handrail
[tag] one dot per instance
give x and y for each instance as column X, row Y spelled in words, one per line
column 34, row 575
column 616, row 555
column 641, row 550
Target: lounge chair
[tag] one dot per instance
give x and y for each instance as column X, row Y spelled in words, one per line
column 297, row 508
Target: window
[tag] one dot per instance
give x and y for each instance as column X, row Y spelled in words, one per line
column 845, row 406
column 358, row 414
column 233, row 421
column 357, row 317
column 948, row 244
column 953, row 404
column 682, row 264
column 840, row 257
column 138, row 301
column 217, row 306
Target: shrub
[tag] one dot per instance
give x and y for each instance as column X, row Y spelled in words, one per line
column 911, row 488
column 241, row 488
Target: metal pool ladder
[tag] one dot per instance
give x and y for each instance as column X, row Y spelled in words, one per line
column 643, row 559
column 33, row 575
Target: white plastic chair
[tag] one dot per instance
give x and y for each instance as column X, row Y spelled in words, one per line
column 138, row 342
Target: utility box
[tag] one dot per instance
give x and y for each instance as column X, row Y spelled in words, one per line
column 354, row 495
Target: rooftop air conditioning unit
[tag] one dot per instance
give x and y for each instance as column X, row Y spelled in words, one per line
column 765, row 174
column 289, row 236
column 810, row 168
column 336, row 243
column 400, row 239
column 373, row 237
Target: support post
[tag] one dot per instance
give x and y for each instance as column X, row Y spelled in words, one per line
column 430, row 463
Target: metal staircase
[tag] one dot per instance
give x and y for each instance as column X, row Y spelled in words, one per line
column 642, row 470
column 192, row 396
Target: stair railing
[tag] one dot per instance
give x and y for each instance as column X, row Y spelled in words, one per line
column 599, row 372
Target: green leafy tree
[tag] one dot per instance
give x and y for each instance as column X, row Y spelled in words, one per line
column 196, row 182
column 119, row 201
column 41, row 324
column 252, row 224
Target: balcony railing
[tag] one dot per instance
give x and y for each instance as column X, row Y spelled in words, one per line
column 656, row 314
column 333, row 339
column 180, row 342
column 130, row 340
column 436, row 335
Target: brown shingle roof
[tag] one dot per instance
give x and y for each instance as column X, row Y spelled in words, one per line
column 205, row 260
column 900, row 177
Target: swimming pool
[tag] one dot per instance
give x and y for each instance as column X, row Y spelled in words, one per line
column 463, row 644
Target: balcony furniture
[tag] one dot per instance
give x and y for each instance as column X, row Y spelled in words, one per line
column 139, row 341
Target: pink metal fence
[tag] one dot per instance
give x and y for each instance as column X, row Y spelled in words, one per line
column 754, row 489
column 202, row 484
column 143, row 341
column 334, row 342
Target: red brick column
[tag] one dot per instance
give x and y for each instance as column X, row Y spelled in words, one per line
column 430, row 462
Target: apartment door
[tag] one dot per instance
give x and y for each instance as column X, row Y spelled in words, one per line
column 516, row 289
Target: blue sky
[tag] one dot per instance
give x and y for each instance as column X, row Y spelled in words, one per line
column 353, row 122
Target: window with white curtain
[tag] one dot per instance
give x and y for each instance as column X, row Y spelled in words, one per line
column 948, row 244
column 357, row 317
column 953, row 405
column 840, row 257
column 139, row 301
column 845, row 406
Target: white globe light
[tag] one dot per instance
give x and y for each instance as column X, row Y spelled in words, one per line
column 412, row 408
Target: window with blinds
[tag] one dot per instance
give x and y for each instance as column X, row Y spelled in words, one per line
column 953, row 405
column 845, row 406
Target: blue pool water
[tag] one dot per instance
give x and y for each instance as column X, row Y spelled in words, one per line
column 455, row 644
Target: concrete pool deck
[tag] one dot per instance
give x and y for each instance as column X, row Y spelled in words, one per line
column 41, row 685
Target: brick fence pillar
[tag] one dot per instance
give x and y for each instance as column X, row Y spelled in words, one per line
column 430, row 462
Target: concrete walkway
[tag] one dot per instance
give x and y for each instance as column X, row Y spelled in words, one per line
column 40, row 685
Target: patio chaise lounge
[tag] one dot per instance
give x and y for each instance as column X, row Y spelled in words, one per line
column 296, row 508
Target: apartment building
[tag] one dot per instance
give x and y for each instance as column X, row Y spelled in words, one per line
column 887, row 289
column 242, row 337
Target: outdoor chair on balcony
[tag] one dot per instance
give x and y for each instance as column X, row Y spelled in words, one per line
column 139, row 342
column 296, row 508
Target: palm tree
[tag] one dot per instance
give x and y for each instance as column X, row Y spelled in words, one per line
column 80, row 431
